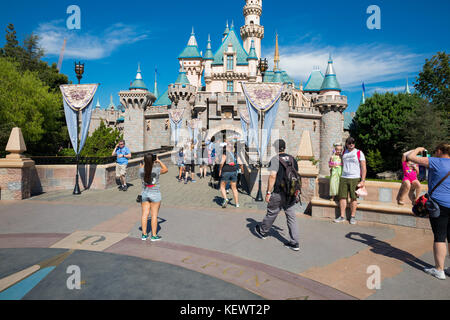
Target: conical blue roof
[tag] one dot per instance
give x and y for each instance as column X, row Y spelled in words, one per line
column 232, row 38
column 191, row 50
column 314, row 81
column 208, row 54
column 330, row 81
column 138, row 83
column 182, row 77
column 252, row 54
column 163, row 100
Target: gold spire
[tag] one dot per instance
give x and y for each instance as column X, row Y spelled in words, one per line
column 276, row 59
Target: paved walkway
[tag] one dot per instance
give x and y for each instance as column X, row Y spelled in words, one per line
column 207, row 252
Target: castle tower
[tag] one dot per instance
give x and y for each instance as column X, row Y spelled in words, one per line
column 252, row 30
column 191, row 60
column 136, row 100
column 207, row 62
column 331, row 105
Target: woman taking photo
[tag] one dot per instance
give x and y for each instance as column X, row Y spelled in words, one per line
column 151, row 193
column 439, row 168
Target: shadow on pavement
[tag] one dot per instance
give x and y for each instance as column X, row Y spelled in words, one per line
column 273, row 232
column 385, row 249
column 149, row 226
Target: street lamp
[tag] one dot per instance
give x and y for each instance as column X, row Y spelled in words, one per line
column 79, row 70
column 262, row 66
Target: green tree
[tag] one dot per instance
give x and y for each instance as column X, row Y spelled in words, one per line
column 434, row 81
column 29, row 57
column 425, row 127
column 374, row 162
column 378, row 124
column 100, row 144
column 26, row 102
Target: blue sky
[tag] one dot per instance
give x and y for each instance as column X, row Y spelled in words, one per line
column 116, row 35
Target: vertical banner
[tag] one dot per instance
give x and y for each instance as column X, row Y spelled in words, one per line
column 245, row 121
column 262, row 98
column 176, row 118
column 78, row 98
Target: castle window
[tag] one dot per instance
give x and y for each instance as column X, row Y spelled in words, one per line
column 230, row 63
column 230, row 86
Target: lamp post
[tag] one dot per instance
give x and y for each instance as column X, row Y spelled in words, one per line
column 79, row 70
column 262, row 66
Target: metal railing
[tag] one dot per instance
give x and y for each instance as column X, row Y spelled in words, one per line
column 41, row 160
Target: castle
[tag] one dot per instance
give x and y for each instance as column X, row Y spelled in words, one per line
column 208, row 89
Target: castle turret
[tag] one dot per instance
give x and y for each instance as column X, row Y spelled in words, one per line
column 191, row 59
column 252, row 30
column 330, row 84
column 407, row 87
column 276, row 59
column 331, row 105
column 225, row 33
column 155, row 90
column 252, row 63
column 207, row 62
column 136, row 100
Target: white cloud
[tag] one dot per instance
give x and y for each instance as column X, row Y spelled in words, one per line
column 84, row 45
column 388, row 89
column 353, row 64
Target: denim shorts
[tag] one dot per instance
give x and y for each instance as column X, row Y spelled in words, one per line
column 149, row 195
column 229, row 176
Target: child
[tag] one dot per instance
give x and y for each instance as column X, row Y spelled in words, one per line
column 410, row 181
column 180, row 164
column 335, row 164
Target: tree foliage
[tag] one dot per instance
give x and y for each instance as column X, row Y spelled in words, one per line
column 378, row 125
column 28, row 58
column 434, row 80
column 100, row 144
column 27, row 103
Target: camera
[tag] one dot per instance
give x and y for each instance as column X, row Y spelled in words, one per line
column 424, row 153
column 153, row 157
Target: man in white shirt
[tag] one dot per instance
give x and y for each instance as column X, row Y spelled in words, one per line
column 353, row 177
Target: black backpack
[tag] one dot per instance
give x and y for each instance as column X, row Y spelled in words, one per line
column 292, row 184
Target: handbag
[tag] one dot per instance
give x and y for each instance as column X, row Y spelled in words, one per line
column 426, row 206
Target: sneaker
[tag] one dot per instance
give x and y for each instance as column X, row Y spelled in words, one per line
column 120, row 188
column 124, row 188
column 155, row 238
column 144, row 237
column 340, row 219
column 225, row 202
column 292, row 246
column 185, row 181
column 237, row 205
column 259, row 232
column 228, row 191
column 352, row 220
column 193, row 180
column 436, row 273
column 447, row 271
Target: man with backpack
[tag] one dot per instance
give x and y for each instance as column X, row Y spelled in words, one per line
column 353, row 177
column 283, row 192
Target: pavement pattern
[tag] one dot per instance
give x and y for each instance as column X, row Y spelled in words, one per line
column 206, row 252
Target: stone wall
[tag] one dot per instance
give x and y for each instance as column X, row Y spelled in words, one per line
column 14, row 183
column 47, row 178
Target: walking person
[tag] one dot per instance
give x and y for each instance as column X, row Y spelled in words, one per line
column 190, row 157
column 410, row 182
column 353, row 176
column 123, row 155
column 150, row 172
column 335, row 164
column 228, row 171
column 202, row 160
column 439, row 180
column 277, row 198
column 181, row 164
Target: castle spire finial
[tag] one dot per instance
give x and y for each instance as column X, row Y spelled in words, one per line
column 276, row 59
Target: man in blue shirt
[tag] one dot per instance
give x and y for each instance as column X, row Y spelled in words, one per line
column 123, row 154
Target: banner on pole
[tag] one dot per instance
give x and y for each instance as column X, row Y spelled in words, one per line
column 78, row 98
